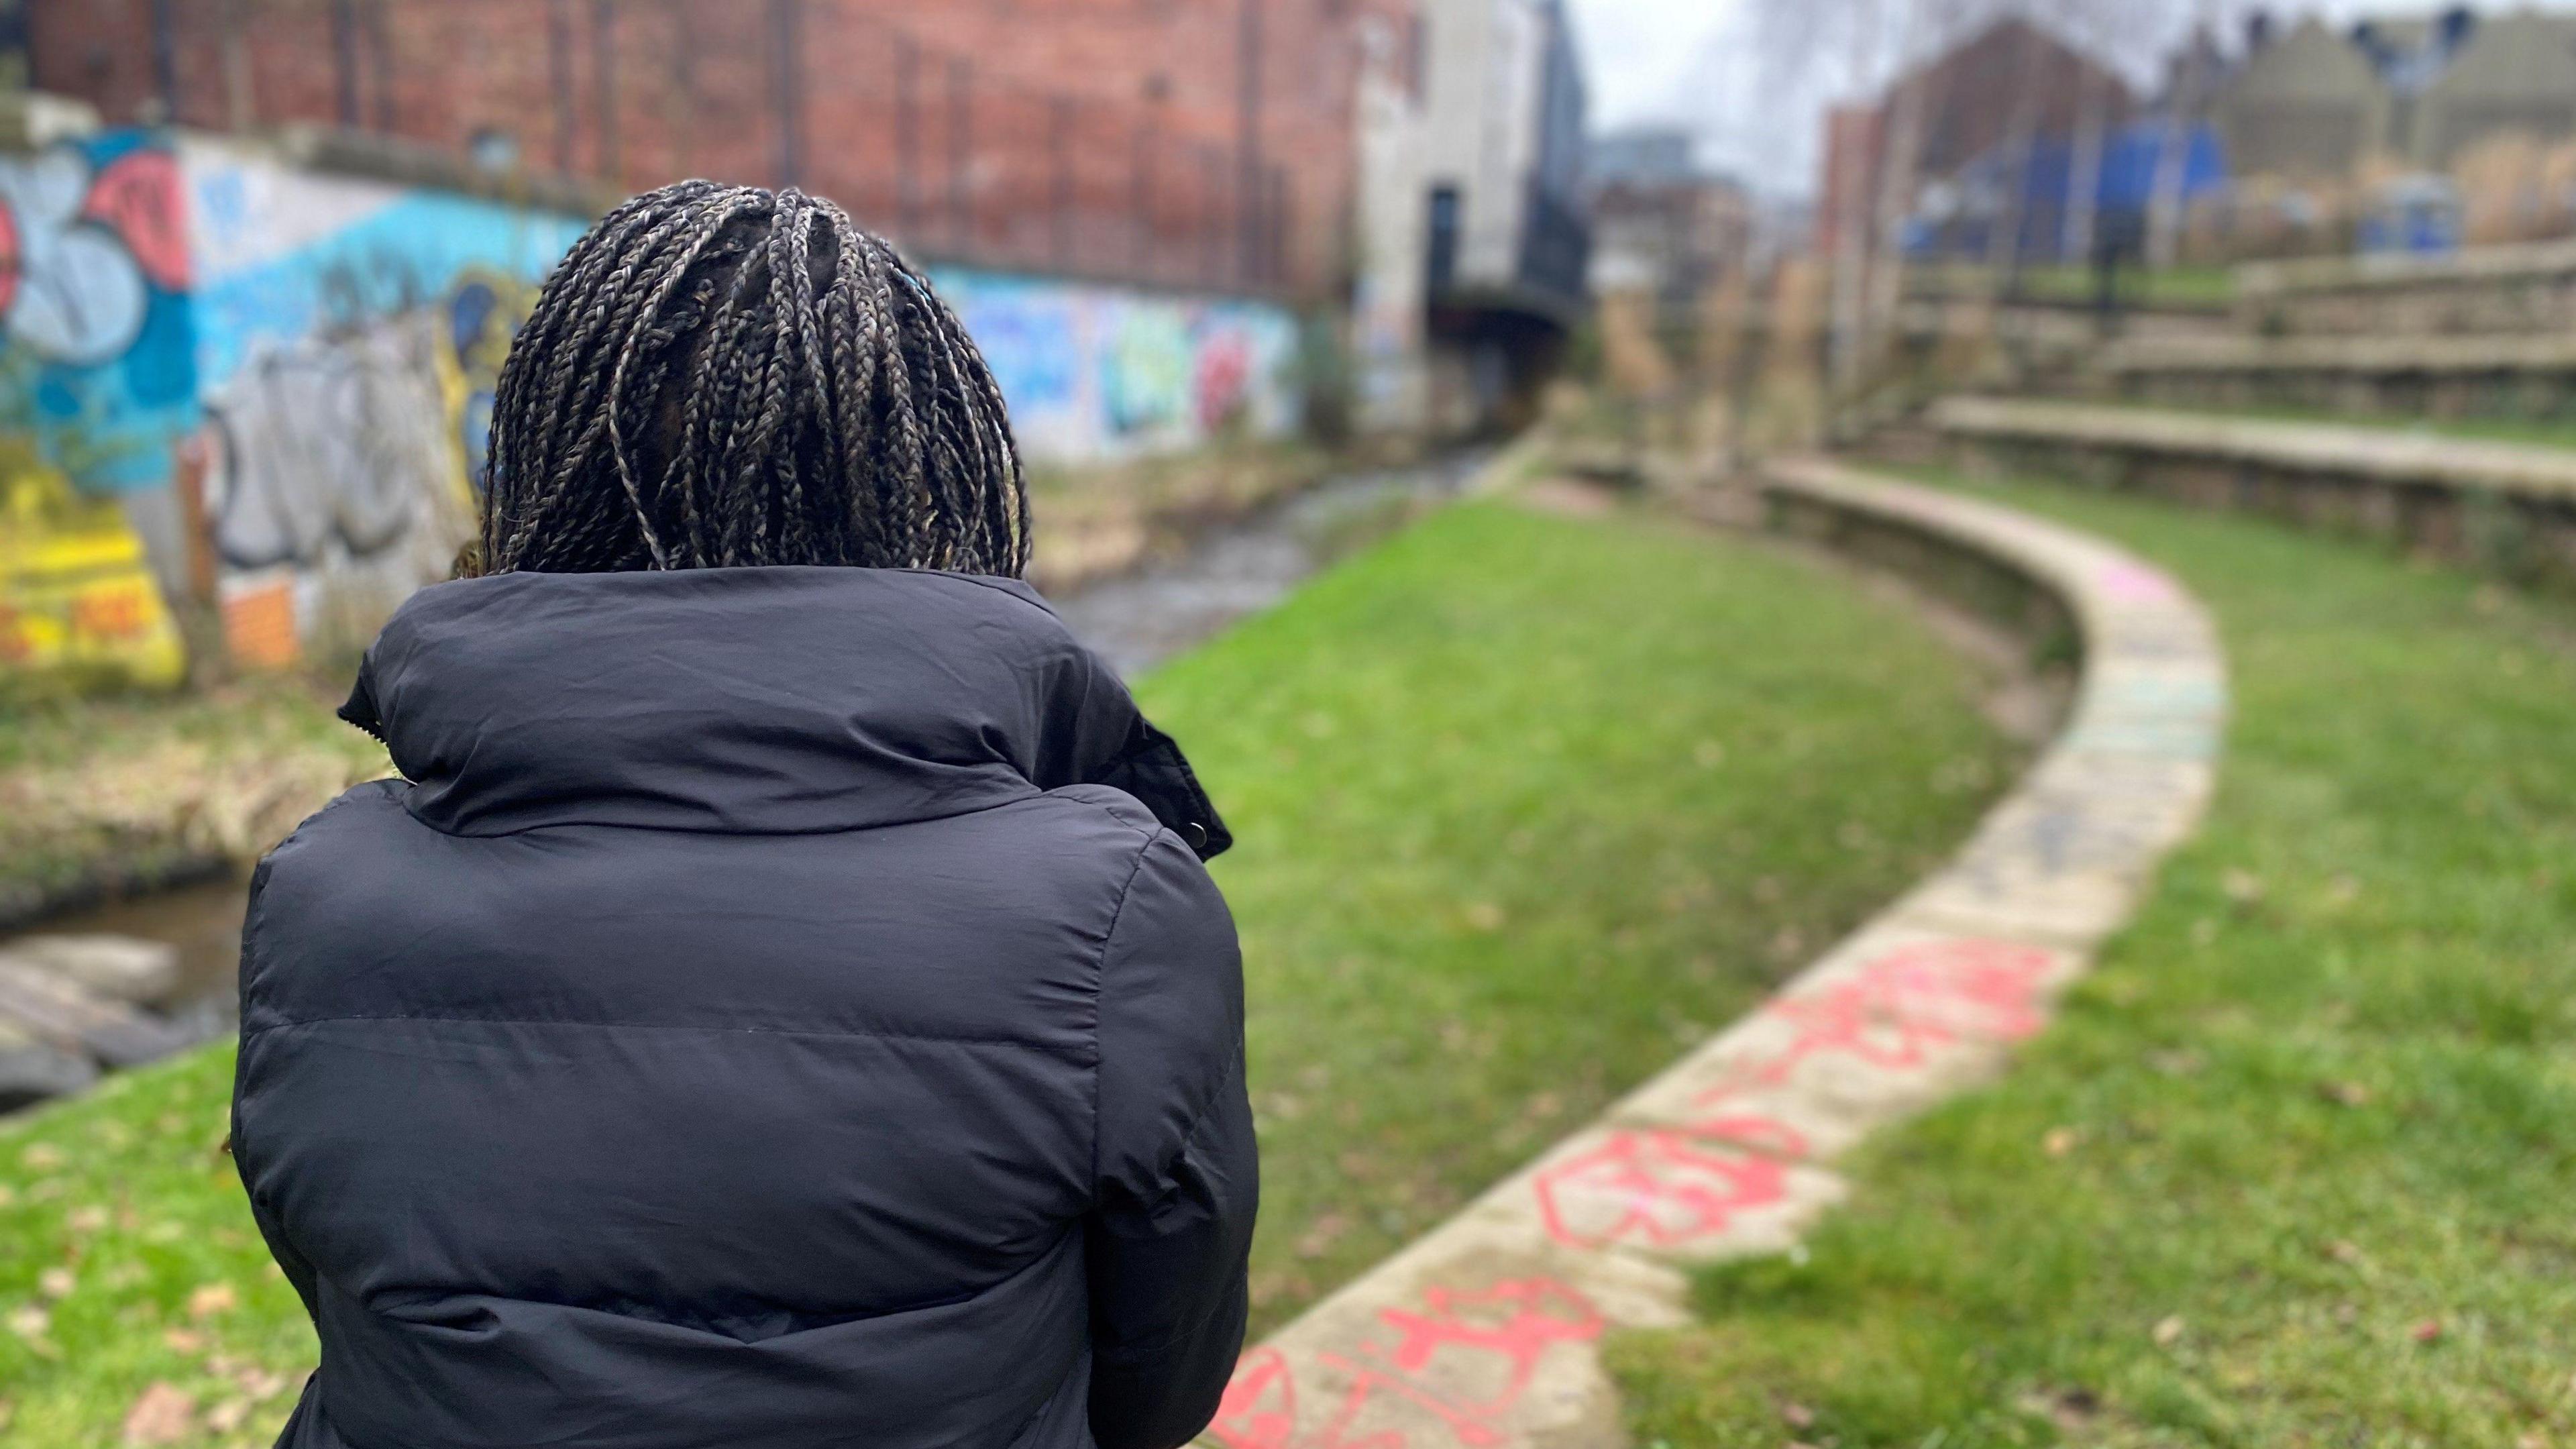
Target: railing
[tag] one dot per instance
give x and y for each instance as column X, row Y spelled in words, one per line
column 929, row 145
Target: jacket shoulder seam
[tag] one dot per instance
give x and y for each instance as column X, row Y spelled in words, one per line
column 1100, row 976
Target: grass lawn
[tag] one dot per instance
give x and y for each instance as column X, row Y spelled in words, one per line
column 2179, row 287
column 1527, row 804
column 2535, row 432
column 2296, row 1166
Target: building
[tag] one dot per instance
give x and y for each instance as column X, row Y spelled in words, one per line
column 1190, row 142
column 2319, row 104
column 2014, row 85
column 1660, row 222
column 1507, row 243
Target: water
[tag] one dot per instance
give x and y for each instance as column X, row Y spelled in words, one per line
column 1136, row 620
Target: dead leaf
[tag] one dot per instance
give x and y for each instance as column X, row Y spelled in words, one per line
column 2167, row 1331
column 2350, row 1094
column 227, row 1416
column 41, row 1157
column 86, row 1219
column 2343, row 1252
column 163, row 1415
column 184, row 1340
column 56, row 1282
column 2060, row 1141
column 29, row 1320
column 1797, row 1415
column 2243, row 887
column 2428, row 1331
column 212, row 1299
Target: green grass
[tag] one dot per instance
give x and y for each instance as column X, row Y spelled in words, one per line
column 2175, row 287
column 1527, row 805
column 97, row 792
column 2536, row 432
column 2315, row 1167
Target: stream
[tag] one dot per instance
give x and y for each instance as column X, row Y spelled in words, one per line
column 1137, row 620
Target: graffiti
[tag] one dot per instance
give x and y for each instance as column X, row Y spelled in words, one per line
column 1224, row 379
column 1149, row 371
column 1670, row 1187
column 75, row 598
column 1093, row 373
column 329, row 443
column 93, row 302
column 1463, row 1362
column 1029, row 342
column 350, row 336
column 1895, row 1010
column 1667, row 1186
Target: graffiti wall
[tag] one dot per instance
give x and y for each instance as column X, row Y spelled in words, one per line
column 233, row 383
column 348, row 336
column 1095, row 373
column 97, row 383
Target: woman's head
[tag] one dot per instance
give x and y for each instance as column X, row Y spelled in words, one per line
column 721, row 375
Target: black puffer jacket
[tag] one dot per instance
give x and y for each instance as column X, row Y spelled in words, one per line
column 784, row 1008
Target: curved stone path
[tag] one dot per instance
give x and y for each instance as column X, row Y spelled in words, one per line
column 1484, row 1332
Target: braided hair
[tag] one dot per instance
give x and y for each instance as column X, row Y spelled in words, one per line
column 724, row 375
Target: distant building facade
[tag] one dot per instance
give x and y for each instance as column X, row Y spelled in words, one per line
column 1493, row 170
column 2319, row 103
column 1663, row 224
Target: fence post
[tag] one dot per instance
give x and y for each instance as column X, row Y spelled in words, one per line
column 961, row 155
column 1141, row 194
column 787, row 80
column 1060, row 114
column 907, row 136
column 558, row 63
column 603, row 81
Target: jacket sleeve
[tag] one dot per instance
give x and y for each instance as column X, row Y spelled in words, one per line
column 1177, row 1179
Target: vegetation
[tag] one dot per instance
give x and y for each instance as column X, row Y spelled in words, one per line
column 2293, row 1168
column 1526, row 804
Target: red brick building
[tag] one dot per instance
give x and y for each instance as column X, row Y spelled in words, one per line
column 1199, row 142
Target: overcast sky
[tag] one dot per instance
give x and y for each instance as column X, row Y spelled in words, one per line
column 1685, row 62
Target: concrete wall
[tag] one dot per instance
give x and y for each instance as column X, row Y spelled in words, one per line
column 230, row 379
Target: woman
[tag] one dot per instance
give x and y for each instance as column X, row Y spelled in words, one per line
column 781, row 1004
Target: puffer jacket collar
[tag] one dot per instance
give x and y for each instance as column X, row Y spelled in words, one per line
column 752, row 700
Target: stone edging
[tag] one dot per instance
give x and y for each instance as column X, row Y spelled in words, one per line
column 1484, row 1333
column 2510, row 353
column 2265, row 280
column 2364, row 454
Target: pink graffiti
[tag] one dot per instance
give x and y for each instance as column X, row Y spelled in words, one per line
column 1668, row 1186
column 2130, row 584
column 1897, row 1009
column 1506, row 1330
column 137, row 197
column 1224, row 381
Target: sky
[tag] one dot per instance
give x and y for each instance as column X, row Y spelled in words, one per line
column 1687, row 62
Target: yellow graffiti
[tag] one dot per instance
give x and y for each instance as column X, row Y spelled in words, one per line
column 472, row 346
column 77, row 602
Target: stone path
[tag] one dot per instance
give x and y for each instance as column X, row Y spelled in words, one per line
column 1484, row 1333
column 2389, row 456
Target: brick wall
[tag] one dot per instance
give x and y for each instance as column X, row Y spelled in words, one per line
column 1079, row 136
